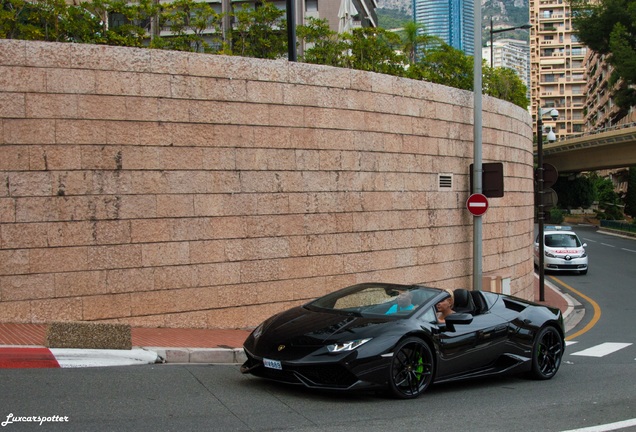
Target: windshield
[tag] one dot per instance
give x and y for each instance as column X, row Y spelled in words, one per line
column 376, row 299
column 562, row 240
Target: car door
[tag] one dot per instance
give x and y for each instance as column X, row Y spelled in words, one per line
column 470, row 347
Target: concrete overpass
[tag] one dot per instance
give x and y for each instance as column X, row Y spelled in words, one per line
column 611, row 148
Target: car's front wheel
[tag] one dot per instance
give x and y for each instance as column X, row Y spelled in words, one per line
column 547, row 353
column 411, row 369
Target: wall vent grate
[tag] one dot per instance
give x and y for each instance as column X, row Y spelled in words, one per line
column 445, row 182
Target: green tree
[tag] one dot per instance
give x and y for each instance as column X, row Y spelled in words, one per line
column 48, row 20
column 607, row 198
column 416, row 41
column 609, row 28
column 37, row 20
column 81, row 26
column 187, row 21
column 504, row 83
column 375, row 50
column 449, row 66
column 323, row 45
column 123, row 23
column 630, row 198
column 260, row 32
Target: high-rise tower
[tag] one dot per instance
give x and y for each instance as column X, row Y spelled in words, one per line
column 450, row 20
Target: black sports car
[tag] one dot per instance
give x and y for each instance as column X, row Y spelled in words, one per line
column 361, row 337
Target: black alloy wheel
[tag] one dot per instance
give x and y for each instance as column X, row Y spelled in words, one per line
column 547, row 353
column 411, row 369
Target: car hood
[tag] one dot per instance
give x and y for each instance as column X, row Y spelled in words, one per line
column 302, row 329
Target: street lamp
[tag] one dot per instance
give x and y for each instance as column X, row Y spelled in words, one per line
column 524, row 27
column 554, row 113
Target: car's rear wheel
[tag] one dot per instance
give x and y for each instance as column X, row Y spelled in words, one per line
column 411, row 369
column 547, row 353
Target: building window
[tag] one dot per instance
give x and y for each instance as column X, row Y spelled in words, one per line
column 311, row 5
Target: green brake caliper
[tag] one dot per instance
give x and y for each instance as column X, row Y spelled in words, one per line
column 419, row 370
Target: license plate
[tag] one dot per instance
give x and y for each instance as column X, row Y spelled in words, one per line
column 272, row 364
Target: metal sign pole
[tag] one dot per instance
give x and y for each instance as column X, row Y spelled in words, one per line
column 477, row 148
column 291, row 30
column 541, row 209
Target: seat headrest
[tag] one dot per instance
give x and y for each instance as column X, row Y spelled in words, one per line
column 463, row 301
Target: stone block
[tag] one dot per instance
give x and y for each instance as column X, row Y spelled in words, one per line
column 12, row 105
column 48, row 54
column 29, row 131
column 70, row 81
column 118, row 83
column 13, row 52
column 88, row 335
column 212, row 355
column 176, row 355
column 106, row 306
column 60, row 309
column 26, row 287
column 15, row 311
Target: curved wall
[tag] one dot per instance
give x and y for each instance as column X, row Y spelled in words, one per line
column 162, row 188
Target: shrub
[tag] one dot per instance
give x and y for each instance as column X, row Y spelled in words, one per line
column 556, row 215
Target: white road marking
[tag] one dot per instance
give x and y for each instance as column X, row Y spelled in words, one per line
column 568, row 343
column 606, row 427
column 602, row 349
column 628, row 250
column 608, row 245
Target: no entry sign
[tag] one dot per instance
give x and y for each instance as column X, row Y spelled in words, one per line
column 477, row 204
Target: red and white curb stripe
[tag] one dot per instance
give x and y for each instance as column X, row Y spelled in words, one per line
column 13, row 357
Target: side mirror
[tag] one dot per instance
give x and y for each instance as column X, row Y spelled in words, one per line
column 457, row 318
column 584, row 245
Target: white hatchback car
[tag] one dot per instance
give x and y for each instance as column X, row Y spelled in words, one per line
column 563, row 249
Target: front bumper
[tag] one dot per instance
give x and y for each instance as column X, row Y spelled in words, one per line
column 336, row 375
column 562, row 264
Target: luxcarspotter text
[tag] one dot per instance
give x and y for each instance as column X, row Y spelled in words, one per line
column 33, row 419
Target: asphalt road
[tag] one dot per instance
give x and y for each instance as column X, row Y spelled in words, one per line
column 610, row 283
column 587, row 391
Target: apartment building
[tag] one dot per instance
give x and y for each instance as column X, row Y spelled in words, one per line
column 512, row 54
column 557, row 68
column 600, row 110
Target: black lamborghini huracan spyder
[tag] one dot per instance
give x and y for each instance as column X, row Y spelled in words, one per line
column 359, row 338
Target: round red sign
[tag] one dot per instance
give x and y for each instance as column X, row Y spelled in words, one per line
column 477, row 204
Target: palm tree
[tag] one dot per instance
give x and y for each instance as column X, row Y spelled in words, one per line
column 415, row 40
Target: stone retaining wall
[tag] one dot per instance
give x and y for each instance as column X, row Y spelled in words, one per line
column 159, row 188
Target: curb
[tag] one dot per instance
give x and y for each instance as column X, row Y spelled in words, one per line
column 199, row 355
column 575, row 310
column 79, row 357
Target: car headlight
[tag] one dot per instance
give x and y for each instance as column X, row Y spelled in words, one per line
column 584, row 254
column 347, row 346
column 258, row 331
column 548, row 254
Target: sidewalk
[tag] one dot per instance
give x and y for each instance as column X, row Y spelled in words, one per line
column 175, row 345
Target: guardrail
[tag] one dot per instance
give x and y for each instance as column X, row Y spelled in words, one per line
column 598, row 131
column 618, row 225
